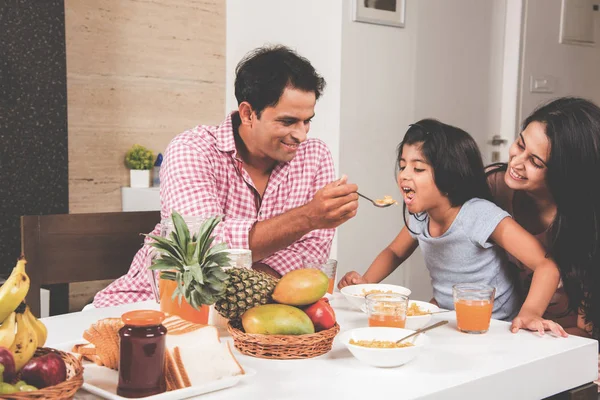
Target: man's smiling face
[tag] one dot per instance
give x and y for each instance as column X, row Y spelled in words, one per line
column 280, row 129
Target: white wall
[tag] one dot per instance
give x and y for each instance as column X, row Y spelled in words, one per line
column 377, row 105
column 446, row 63
column 575, row 68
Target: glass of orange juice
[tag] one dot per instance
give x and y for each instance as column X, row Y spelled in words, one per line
column 329, row 267
column 473, row 304
column 387, row 309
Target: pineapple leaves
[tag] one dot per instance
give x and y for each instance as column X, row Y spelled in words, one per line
column 160, row 264
column 164, row 245
column 181, row 233
column 194, row 261
column 196, row 272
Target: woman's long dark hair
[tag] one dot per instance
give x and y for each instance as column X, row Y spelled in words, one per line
column 454, row 157
column 573, row 179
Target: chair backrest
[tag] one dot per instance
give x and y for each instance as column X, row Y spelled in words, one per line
column 66, row 248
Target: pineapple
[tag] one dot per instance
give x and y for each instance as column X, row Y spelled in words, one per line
column 192, row 262
column 198, row 269
column 246, row 289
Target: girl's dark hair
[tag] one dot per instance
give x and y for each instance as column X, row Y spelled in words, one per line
column 573, row 179
column 263, row 74
column 455, row 158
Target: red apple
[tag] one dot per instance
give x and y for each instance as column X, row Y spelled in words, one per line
column 44, row 371
column 7, row 359
column 321, row 314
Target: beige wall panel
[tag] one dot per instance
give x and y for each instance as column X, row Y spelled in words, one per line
column 137, row 72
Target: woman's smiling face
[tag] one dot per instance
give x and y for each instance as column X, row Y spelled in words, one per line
column 528, row 157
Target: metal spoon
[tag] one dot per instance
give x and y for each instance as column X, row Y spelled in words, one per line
column 419, row 331
column 375, row 203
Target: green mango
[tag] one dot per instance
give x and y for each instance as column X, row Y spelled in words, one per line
column 277, row 319
column 301, row 287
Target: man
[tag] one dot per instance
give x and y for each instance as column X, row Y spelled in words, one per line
column 274, row 186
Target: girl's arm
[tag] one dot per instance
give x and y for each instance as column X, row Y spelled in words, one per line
column 386, row 262
column 525, row 248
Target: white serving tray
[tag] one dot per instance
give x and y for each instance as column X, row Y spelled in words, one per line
column 103, row 381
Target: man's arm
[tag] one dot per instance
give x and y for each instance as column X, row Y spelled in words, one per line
column 331, row 206
column 188, row 185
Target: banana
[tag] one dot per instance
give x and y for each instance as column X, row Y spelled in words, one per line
column 38, row 326
column 7, row 331
column 25, row 344
column 14, row 290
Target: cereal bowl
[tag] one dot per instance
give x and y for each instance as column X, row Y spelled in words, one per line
column 415, row 322
column 383, row 357
column 355, row 294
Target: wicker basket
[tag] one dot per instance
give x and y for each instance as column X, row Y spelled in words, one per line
column 62, row 391
column 282, row 347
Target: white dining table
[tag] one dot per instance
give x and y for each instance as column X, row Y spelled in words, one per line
column 455, row 365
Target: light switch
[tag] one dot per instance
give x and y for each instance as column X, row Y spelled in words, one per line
column 577, row 22
column 542, row 84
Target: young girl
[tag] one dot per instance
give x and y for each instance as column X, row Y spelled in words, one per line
column 462, row 234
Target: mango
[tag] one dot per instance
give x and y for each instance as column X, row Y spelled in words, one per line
column 277, row 319
column 301, row 287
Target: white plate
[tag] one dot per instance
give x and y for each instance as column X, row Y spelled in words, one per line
column 103, row 381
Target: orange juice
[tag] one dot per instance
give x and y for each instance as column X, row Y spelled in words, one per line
column 331, row 285
column 473, row 315
column 387, row 320
column 171, row 306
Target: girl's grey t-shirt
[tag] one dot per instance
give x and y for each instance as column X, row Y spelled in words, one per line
column 464, row 254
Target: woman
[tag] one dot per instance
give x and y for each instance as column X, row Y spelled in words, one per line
column 551, row 186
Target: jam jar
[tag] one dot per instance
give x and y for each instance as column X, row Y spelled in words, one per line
column 142, row 354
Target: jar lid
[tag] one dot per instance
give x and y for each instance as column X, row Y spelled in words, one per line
column 143, row 318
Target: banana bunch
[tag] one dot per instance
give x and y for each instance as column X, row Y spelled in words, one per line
column 14, row 290
column 21, row 332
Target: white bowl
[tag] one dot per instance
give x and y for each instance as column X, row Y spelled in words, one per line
column 355, row 295
column 419, row 321
column 383, row 357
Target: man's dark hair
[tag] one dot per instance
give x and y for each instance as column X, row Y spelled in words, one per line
column 263, row 74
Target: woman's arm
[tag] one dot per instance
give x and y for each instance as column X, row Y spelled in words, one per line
column 386, row 262
column 525, row 248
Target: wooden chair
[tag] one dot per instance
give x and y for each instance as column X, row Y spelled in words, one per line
column 65, row 248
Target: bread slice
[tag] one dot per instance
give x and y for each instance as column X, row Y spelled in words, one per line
column 206, row 335
column 206, row 363
column 173, row 377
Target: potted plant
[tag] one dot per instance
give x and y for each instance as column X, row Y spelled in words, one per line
column 139, row 160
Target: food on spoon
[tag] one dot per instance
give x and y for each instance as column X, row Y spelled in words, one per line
column 301, row 287
column 380, row 344
column 414, row 310
column 387, row 200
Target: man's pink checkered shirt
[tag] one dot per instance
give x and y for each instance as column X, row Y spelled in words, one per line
column 201, row 175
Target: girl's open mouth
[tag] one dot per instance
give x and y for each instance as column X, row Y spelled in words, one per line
column 409, row 195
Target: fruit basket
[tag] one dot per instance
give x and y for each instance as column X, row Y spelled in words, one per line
column 64, row 390
column 282, row 347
